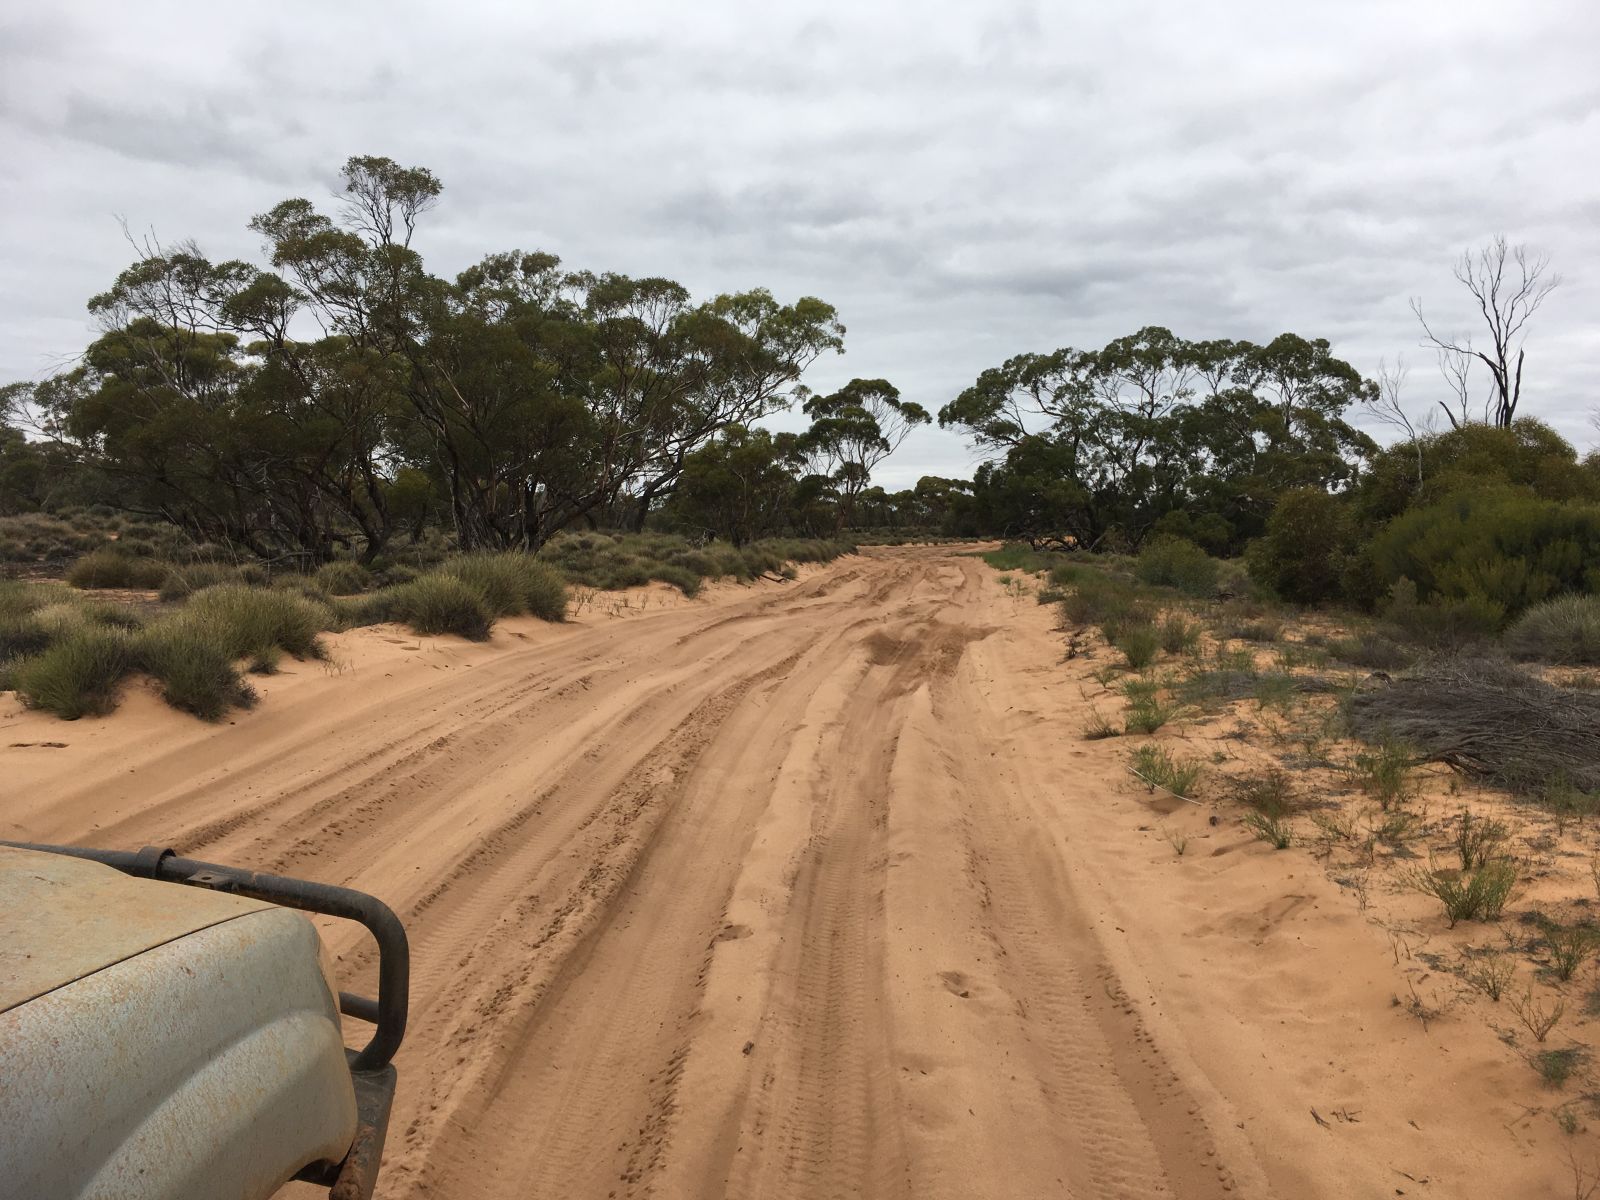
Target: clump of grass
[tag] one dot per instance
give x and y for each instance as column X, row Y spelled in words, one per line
column 1146, row 711
column 1160, row 769
column 1479, row 895
column 1394, row 827
column 258, row 623
column 1480, row 840
column 1097, row 728
column 1566, row 803
column 1555, row 1067
column 77, row 674
column 435, row 603
column 1270, row 792
column 1106, row 675
column 1098, row 599
column 110, row 568
column 1139, row 645
column 182, row 582
column 1490, row 972
column 190, row 657
column 1238, row 660
column 1570, row 947
column 1179, row 635
column 1372, row 650
column 1274, row 689
column 513, row 584
column 1564, row 630
column 1178, row 841
column 343, row 578
column 1384, row 773
column 1274, row 830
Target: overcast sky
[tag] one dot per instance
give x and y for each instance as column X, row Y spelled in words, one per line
column 964, row 182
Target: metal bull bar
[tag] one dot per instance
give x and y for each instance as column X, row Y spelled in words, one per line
column 371, row 1071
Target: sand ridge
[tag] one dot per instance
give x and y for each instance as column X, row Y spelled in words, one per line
column 802, row 890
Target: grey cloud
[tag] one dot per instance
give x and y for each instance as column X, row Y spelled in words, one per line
column 963, row 182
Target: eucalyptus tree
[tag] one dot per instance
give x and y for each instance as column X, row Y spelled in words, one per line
column 853, row 430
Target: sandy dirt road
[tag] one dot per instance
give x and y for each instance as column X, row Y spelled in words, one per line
column 773, row 894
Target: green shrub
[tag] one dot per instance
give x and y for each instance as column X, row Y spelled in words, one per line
column 1570, row 947
column 438, row 603
column 512, row 584
column 1270, row 793
column 109, row 568
column 1446, row 622
column 192, row 659
column 1372, row 650
column 1139, row 645
column 256, row 623
column 1179, row 635
column 1098, row 599
column 76, row 675
column 1563, row 630
column 1159, row 769
column 343, row 578
column 1176, row 563
column 182, row 582
column 680, row 577
column 1384, row 773
column 1274, row 830
column 1555, row 1067
column 1480, row 840
column 1305, row 549
column 1274, row 689
column 1097, row 728
column 1146, row 715
column 1479, row 895
column 1500, row 551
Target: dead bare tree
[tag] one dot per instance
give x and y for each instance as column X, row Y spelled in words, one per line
column 1385, row 406
column 1508, row 284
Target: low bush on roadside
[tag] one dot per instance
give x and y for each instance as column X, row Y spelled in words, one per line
column 512, row 584
column 1269, row 792
column 1099, row 599
column 109, row 568
column 1477, row 895
column 1160, row 769
column 76, row 675
column 1177, row 563
column 69, row 655
column 258, row 623
column 1139, row 645
column 1373, row 650
column 190, row 659
column 182, row 582
column 1556, row 1066
column 1384, row 773
column 1097, row 727
column 1179, row 635
column 343, row 578
column 435, row 604
column 614, row 561
column 1146, row 711
column 1275, row 831
column 1565, row 630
